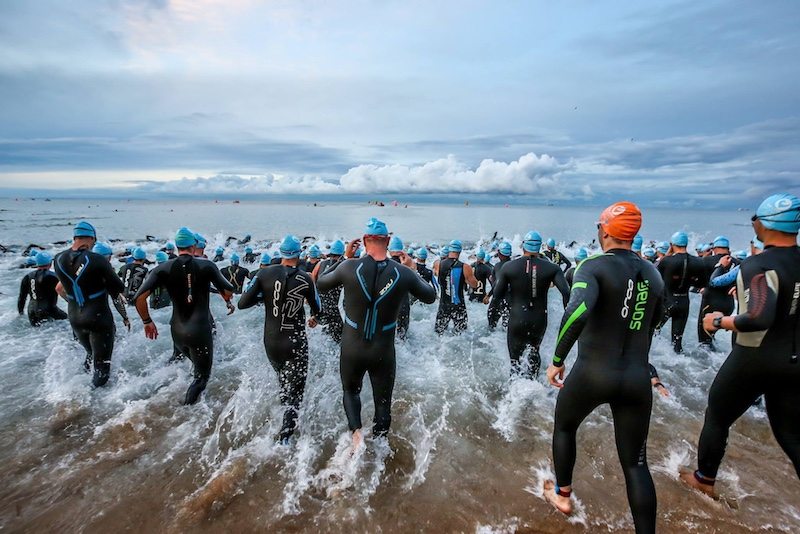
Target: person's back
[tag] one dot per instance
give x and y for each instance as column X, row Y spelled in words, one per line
column 482, row 273
column 86, row 277
column 187, row 279
column 132, row 275
column 529, row 279
column 236, row 275
column 40, row 286
column 680, row 272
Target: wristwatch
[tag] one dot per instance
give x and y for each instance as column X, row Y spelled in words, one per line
column 717, row 322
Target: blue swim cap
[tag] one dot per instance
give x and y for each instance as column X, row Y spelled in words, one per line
column 161, row 256
column 290, row 247
column 248, row 250
column 128, row 249
column 756, row 242
column 139, row 254
column 266, row 258
column 169, row 246
column 481, row 255
column 234, row 259
column 30, row 261
column 33, row 253
column 376, row 227
column 662, row 247
column 532, row 242
column 455, row 246
column 313, row 252
column 780, row 212
column 201, row 242
column 444, row 252
column 43, row 258
column 504, row 248
column 721, row 242
column 337, row 248
column 219, row 250
column 84, row 229
column 550, row 242
column 395, row 244
column 582, row 254
column 102, row 248
column 422, row 254
column 740, row 254
column 410, row 251
column 276, row 254
column 185, row 238
column 359, row 252
column 638, row 240
column 649, row 252
column 680, row 239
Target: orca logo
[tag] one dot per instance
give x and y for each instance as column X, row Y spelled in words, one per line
column 617, row 210
column 783, row 203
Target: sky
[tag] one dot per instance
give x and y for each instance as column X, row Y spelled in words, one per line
column 669, row 102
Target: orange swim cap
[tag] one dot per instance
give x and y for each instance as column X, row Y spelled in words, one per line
column 621, row 220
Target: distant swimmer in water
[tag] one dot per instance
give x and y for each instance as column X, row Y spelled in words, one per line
column 581, row 255
column 526, row 281
column 249, row 255
column 766, row 344
column 284, row 289
column 330, row 318
column 86, row 279
column 552, row 254
column 614, row 307
column 133, row 274
column 40, row 286
column 188, row 280
column 235, row 274
column 119, row 302
column 679, row 271
column 219, row 254
column 453, row 277
column 374, row 287
column 404, row 318
column 482, row 272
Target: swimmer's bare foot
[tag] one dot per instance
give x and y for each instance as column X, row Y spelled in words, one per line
column 358, row 439
column 687, row 475
column 561, row 503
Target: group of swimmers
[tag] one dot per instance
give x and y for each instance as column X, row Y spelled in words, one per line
column 613, row 301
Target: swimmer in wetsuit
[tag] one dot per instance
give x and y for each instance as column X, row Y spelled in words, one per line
column 766, row 344
column 526, row 280
column 249, row 255
column 314, row 257
column 159, row 297
column 404, row 318
column 374, row 287
column 169, row 250
column 235, row 274
column 219, row 254
column 330, row 317
column 453, row 277
column 119, row 302
column 581, row 255
column 86, row 280
column 715, row 299
column 482, row 274
column 552, row 254
column 276, row 258
column 679, row 271
column 188, row 280
column 638, row 242
column 504, row 255
column 614, row 307
column 284, row 289
column 133, row 274
column 40, row 286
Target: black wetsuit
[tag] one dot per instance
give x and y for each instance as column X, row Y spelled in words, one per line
column 331, row 318
column 714, row 298
column 250, row 257
column 218, row 257
column 483, row 272
column 427, row 275
column 88, row 279
column 40, row 286
column 505, row 310
column 452, row 307
column 236, row 276
column 763, row 360
column 132, row 275
column 308, row 266
column 526, row 280
column 275, row 261
column 283, row 290
column 679, row 272
column 373, row 294
column 159, row 298
column 615, row 304
column 188, row 281
column 559, row 259
column 404, row 318
column 569, row 274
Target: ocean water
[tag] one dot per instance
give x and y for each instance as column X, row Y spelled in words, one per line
column 468, row 450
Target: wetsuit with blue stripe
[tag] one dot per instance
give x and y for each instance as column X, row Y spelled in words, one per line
column 526, row 282
column 88, row 279
column 763, row 360
column 373, row 294
column 188, row 281
column 284, row 290
column 40, row 286
column 452, row 307
column 615, row 304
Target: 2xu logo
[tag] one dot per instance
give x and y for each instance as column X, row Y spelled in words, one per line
column 639, row 303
